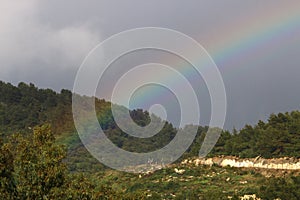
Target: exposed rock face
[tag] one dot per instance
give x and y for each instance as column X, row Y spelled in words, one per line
column 275, row 163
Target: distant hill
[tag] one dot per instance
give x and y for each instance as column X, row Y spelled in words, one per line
column 32, row 163
column 24, row 106
column 278, row 137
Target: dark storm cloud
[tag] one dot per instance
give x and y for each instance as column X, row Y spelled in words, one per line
column 44, row 42
column 34, row 51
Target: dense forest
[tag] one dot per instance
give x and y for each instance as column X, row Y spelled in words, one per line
column 25, row 106
column 41, row 156
column 278, row 137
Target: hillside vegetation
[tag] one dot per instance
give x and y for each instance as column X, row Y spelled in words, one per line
column 41, row 155
column 25, row 106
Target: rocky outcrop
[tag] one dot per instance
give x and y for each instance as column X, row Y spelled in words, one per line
column 258, row 162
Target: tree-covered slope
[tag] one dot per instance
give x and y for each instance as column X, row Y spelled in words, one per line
column 278, row 137
column 33, row 165
column 25, row 106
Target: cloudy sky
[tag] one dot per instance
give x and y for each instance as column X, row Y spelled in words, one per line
column 255, row 44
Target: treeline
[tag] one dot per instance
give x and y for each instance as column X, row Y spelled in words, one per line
column 278, row 137
column 24, row 106
column 33, row 165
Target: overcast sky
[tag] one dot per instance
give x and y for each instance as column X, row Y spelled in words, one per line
column 255, row 44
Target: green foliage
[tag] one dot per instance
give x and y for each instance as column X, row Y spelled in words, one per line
column 38, row 164
column 279, row 137
column 281, row 188
column 25, row 106
column 33, row 165
column 7, row 186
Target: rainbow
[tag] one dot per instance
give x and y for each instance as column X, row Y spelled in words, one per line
column 250, row 35
column 265, row 28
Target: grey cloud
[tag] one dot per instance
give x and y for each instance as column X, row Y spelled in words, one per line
column 30, row 48
column 45, row 41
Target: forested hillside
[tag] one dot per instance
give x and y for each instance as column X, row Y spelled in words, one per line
column 41, row 154
column 278, row 137
column 25, row 106
column 32, row 167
